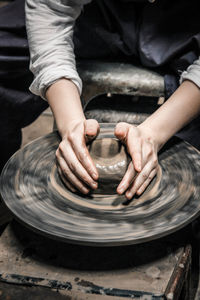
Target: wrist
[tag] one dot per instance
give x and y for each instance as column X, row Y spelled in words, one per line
column 69, row 126
column 152, row 135
column 65, row 103
column 174, row 114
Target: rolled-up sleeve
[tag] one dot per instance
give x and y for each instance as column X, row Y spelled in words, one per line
column 192, row 73
column 50, row 34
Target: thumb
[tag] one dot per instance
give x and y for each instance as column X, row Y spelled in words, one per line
column 121, row 131
column 91, row 129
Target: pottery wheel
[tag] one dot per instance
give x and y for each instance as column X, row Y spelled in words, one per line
column 33, row 191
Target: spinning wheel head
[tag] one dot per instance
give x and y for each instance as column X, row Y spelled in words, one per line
column 33, row 191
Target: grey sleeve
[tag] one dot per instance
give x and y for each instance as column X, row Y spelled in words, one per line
column 50, row 31
column 192, row 73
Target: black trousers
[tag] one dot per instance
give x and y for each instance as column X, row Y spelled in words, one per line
column 108, row 29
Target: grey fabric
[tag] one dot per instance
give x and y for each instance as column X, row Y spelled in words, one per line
column 50, row 30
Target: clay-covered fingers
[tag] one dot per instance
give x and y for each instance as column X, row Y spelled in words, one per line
column 92, row 129
column 143, row 151
column 142, row 180
column 127, row 179
column 68, row 177
column 80, row 160
column 121, row 131
column 143, row 187
column 73, row 156
column 66, row 182
column 77, row 140
column 71, row 166
column 130, row 135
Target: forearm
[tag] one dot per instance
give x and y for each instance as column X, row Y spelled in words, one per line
column 64, row 100
column 175, row 113
column 49, row 27
column 75, row 165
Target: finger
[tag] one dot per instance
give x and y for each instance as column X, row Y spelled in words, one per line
column 147, row 152
column 129, row 134
column 71, row 177
column 82, row 154
column 91, row 129
column 127, row 179
column 140, row 179
column 75, row 166
column 147, row 182
column 121, row 131
column 134, row 145
column 67, row 183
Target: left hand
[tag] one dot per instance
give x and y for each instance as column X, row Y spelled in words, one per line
column 142, row 147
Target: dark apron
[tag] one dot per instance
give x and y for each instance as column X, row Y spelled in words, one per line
column 163, row 35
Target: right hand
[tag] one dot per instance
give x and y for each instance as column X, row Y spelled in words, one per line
column 75, row 165
column 143, row 148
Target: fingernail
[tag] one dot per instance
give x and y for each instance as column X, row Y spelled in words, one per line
column 85, row 191
column 94, row 185
column 129, row 195
column 94, row 175
column 120, row 190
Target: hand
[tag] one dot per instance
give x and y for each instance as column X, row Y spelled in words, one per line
column 143, row 149
column 75, row 165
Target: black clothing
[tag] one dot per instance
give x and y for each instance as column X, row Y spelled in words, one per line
column 164, row 35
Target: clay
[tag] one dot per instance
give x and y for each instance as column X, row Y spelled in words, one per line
column 111, row 160
column 33, row 191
